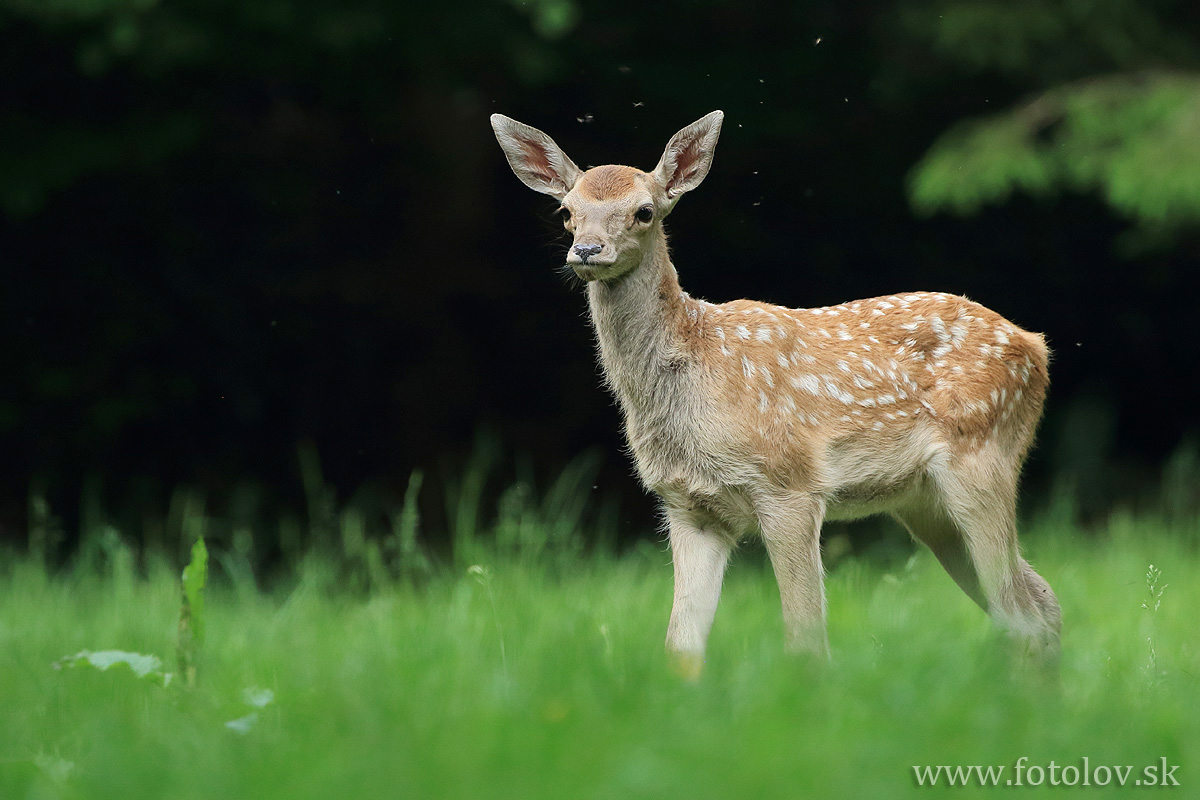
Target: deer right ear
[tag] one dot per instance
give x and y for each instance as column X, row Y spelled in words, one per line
column 535, row 158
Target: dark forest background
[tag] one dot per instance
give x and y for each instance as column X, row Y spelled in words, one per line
column 243, row 239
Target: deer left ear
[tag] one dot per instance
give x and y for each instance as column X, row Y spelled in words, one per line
column 688, row 156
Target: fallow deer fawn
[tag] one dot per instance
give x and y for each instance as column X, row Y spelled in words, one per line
column 745, row 416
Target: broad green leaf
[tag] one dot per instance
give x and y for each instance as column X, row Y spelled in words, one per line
column 256, row 697
column 141, row 664
column 56, row 769
column 243, row 725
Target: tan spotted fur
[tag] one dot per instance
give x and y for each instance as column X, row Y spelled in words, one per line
column 747, row 417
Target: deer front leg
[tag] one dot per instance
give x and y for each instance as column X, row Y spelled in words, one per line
column 699, row 554
column 791, row 529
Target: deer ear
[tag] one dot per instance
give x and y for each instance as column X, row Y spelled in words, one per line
column 535, row 158
column 688, row 156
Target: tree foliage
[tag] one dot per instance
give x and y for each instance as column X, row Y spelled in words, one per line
column 1134, row 140
column 1114, row 107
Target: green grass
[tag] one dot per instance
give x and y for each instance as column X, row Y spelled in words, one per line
column 545, row 678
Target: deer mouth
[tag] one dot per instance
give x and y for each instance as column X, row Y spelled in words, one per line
column 589, row 271
column 605, row 272
column 599, row 259
column 591, row 267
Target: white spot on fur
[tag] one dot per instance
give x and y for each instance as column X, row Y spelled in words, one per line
column 747, row 368
column 808, row 383
column 939, row 328
column 742, row 332
column 763, row 334
column 835, row 392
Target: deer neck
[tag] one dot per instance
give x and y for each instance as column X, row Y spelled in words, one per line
column 638, row 320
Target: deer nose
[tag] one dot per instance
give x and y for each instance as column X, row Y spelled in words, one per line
column 586, row 251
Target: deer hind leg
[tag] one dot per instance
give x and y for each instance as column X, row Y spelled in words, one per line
column 699, row 551
column 978, row 495
column 933, row 527
column 791, row 529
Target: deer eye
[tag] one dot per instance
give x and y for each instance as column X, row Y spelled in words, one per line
column 565, row 213
column 644, row 214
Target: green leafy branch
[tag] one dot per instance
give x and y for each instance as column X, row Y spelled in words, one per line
column 1130, row 138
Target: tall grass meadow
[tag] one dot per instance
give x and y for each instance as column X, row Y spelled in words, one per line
column 526, row 660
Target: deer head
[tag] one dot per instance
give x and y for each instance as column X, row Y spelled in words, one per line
column 613, row 212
